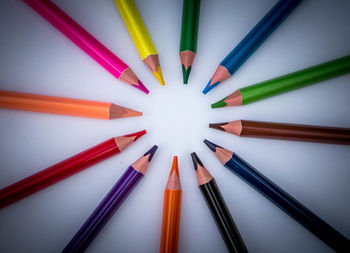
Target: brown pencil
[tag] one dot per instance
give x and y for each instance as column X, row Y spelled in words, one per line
column 65, row 106
column 284, row 131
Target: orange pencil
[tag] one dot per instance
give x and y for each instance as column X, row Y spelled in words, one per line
column 171, row 211
column 66, row 106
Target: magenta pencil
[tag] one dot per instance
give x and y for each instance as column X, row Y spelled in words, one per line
column 86, row 42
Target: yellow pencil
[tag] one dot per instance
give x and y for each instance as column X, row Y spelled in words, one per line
column 140, row 36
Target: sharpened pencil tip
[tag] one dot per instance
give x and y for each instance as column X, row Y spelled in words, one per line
column 152, row 151
column 175, row 166
column 137, row 135
column 141, row 86
column 219, row 104
column 217, row 126
column 209, row 87
column 186, row 73
column 196, row 160
column 159, row 75
column 211, row 145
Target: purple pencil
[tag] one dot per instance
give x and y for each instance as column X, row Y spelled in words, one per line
column 109, row 205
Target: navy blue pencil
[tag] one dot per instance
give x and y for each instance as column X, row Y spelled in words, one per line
column 251, row 42
column 283, row 200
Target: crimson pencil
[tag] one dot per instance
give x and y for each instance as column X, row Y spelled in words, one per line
column 284, row 131
column 110, row 204
column 66, row 168
column 88, row 43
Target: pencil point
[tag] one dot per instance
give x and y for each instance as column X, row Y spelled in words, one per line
column 116, row 111
column 125, row 141
column 196, row 160
column 159, row 75
column 220, row 75
column 187, row 58
column 175, row 166
column 186, row 73
column 209, row 86
column 151, row 152
column 137, row 135
column 219, row 104
column 174, row 177
column 141, row 86
column 142, row 163
column 218, row 126
column 211, row 145
column 129, row 77
column 152, row 62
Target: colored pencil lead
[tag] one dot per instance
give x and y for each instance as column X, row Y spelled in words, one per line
column 235, row 99
column 187, row 58
column 116, row 111
column 174, row 176
column 234, row 127
column 152, row 62
column 220, row 75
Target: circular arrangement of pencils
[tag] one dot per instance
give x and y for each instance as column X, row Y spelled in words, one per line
column 173, row 192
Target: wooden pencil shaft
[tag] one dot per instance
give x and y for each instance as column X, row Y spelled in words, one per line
column 222, row 217
column 104, row 211
column 79, row 36
column 171, row 221
column 288, row 204
column 136, row 28
column 295, row 132
column 57, row 172
column 295, row 80
column 259, row 34
column 56, row 105
column 189, row 28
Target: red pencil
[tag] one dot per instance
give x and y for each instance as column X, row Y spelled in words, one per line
column 66, row 168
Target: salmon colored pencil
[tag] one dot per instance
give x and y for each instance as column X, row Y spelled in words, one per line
column 65, row 106
column 171, row 211
column 86, row 42
column 66, row 168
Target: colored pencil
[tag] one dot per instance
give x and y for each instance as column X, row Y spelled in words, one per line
column 189, row 34
column 64, row 106
column 218, row 207
column 110, row 204
column 66, row 168
column 284, row 131
column 140, row 36
column 89, row 44
column 235, row 59
column 283, row 200
column 285, row 83
column 171, row 211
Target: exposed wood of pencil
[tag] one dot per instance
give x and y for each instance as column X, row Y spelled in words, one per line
column 171, row 211
column 65, row 106
column 186, row 58
column 218, row 207
column 284, row 131
column 235, row 99
column 152, row 62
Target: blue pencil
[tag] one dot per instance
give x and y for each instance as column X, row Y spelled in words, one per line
column 283, row 200
column 251, row 42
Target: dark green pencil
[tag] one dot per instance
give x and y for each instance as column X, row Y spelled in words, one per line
column 189, row 34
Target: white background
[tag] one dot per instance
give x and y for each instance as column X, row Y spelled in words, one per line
column 36, row 58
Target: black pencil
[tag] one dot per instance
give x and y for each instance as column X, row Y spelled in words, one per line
column 218, row 208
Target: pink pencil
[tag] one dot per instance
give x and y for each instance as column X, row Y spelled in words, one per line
column 86, row 42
